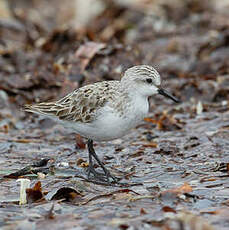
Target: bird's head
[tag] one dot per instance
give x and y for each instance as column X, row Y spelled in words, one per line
column 145, row 80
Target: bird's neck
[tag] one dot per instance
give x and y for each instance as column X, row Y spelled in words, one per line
column 137, row 105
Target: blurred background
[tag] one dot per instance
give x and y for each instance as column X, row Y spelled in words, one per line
column 49, row 48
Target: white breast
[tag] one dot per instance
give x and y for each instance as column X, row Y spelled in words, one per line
column 110, row 124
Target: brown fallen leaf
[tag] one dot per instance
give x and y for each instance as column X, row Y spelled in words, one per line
column 67, row 194
column 143, row 211
column 165, row 122
column 79, row 142
column 34, row 194
column 87, row 51
column 150, row 145
column 146, row 144
column 185, row 188
column 148, row 119
column 168, row 209
column 82, row 163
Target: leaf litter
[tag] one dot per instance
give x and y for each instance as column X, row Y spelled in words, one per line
column 175, row 162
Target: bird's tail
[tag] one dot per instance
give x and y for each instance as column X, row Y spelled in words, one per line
column 47, row 109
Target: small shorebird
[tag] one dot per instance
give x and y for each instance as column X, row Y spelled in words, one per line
column 106, row 110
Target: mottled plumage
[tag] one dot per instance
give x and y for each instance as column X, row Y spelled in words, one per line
column 106, row 110
column 81, row 105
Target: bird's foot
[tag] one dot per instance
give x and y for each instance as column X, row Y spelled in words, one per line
column 106, row 176
column 96, row 174
column 109, row 176
column 102, row 177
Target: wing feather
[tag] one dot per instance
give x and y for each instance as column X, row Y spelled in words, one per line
column 80, row 105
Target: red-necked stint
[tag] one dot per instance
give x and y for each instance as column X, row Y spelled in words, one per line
column 106, row 110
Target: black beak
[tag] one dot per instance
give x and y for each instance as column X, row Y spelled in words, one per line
column 167, row 94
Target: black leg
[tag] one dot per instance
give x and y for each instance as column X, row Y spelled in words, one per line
column 91, row 166
column 91, row 169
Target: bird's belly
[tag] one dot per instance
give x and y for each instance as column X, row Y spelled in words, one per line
column 110, row 124
column 105, row 128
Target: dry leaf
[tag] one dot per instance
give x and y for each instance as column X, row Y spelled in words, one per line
column 79, row 142
column 143, row 211
column 82, row 163
column 168, row 209
column 165, row 122
column 66, row 193
column 87, row 51
column 185, row 188
column 34, row 194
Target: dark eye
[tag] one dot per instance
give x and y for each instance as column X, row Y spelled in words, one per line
column 149, row 80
